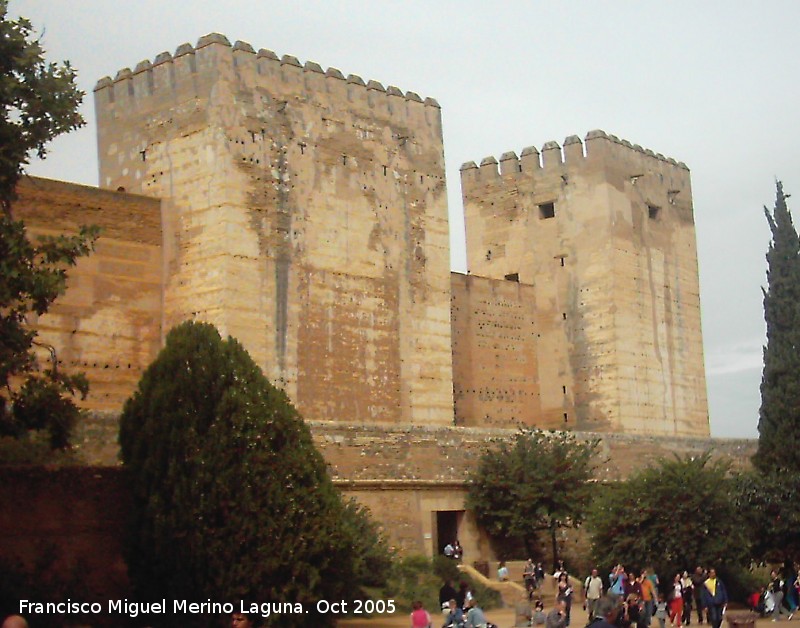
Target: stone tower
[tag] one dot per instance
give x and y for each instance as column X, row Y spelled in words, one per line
column 606, row 238
column 304, row 213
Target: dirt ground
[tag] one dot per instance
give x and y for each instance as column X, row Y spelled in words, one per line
column 504, row 618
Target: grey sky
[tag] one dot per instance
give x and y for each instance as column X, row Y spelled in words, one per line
column 713, row 84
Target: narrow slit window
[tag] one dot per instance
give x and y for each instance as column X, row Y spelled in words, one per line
column 547, row 210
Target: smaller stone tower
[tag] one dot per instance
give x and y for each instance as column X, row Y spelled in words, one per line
column 606, row 238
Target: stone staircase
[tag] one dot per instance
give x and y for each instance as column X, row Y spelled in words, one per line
column 510, row 591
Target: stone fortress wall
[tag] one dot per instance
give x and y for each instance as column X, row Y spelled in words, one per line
column 108, row 324
column 605, row 235
column 305, row 213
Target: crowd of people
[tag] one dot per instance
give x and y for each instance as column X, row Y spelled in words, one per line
column 460, row 609
column 627, row 599
column 781, row 595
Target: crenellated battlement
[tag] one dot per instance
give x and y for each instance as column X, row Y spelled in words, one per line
column 598, row 146
column 166, row 74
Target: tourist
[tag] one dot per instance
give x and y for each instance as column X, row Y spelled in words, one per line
column 529, row 575
column 242, row 620
column 688, row 596
column 661, row 611
column 776, row 588
column 649, row 594
column 715, row 598
column 461, row 596
column 557, row 618
column 420, row 618
column 605, row 613
column 676, row 601
column 448, row 550
column 564, row 594
column 790, row 592
column 539, row 575
column 455, row 618
column 539, row 618
column 15, row 621
column 475, row 617
column 446, row 593
column 502, row 571
column 698, row 580
column 592, row 591
column 458, row 552
column 616, row 581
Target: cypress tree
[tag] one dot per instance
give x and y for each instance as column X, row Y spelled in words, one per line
column 779, row 416
column 232, row 499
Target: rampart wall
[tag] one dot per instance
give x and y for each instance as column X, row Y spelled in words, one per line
column 605, row 235
column 305, row 214
column 108, row 323
column 405, row 475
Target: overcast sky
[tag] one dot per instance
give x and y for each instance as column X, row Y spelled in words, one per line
column 713, row 84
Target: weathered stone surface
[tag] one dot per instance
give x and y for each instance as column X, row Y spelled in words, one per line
column 606, row 243
column 313, row 229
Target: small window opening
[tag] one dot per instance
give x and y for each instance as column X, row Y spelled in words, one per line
column 512, row 277
column 384, row 171
column 564, row 315
column 565, row 417
column 344, row 160
column 488, row 255
column 564, row 389
column 547, row 210
column 653, row 212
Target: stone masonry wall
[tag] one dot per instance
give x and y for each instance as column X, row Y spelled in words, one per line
column 495, row 353
column 305, row 214
column 606, row 238
column 108, row 323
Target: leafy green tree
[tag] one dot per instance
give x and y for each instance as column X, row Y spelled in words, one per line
column 232, row 500
column 768, row 503
column 536, row 482
column 779, row 417
column 676, row 515
column 38, row 101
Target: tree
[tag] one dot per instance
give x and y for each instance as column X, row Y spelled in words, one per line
column 538, row 481
column 779, row 416
column 676, row 515
column 768, row 503
column 38, row 101
column 232, row 500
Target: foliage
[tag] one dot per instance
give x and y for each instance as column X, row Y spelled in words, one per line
column 536, row 482
column 232, row 500
column 539, row 481
column 49, row 578
column 779, row 416
column 372, row 557
column 420, row 578
column 676, row 515
column 768, row 503
column 38, row 101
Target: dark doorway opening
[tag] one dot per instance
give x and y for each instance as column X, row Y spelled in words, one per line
column 447, row 522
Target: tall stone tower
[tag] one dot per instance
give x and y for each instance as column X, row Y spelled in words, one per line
column 606, row 238
column 305, row 214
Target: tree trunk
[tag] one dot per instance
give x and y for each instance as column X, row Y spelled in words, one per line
column 554, row 541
